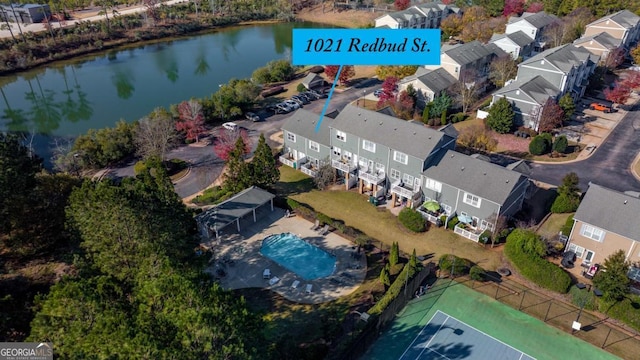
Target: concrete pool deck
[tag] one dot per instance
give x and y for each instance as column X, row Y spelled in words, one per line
column 238, row 255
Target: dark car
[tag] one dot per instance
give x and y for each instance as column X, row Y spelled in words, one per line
column 253, row 117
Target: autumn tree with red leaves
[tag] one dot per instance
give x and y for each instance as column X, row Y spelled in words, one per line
column 632, row 79
column 388, row 91
column 551, row 117
column 191, row 120
column 513, row 7
column 401, row 4
column 535, row 7
column 345, row 75
column 619, row 94
column 226, row 142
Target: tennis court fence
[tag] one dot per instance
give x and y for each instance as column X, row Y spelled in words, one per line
column 598, row 330
column 375, row 326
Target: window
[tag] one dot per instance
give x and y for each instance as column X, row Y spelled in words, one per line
column 314, row 146
column 471, row 200
column 291, row 137
column 379, row 167
column 400, row 157
column 485, row 225
column 446, row 208
column 340, row 135
column 634, row 274
column 588, row 257
column 433, row 185
column 592, row 232
column 347, row 155
column 395, row 174
column 362, row 162
column 407, row 179
column 337, row 151
column 418, row 182
column 369, row 145
column 579, row 250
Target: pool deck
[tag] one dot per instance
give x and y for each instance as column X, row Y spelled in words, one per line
column 238, row 254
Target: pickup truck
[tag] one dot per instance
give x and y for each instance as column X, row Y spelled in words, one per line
column 600, row 107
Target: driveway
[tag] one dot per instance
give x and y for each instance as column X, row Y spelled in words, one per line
column 609, row 165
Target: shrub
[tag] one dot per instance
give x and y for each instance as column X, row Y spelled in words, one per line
column 394, row 290
column 301, row 88
column 548, row 139
column 384, row 276
column 457, row 117
column 452, row 223
column 582, row 297
column 213, row 195
column 394, row 254
column 293, row 204
column 477, row 273
column 363, row 240
column 485, row 237
column 412, row 220
column 139, row 167
column 538, row 145
column 625, row 310
column 560, row 144
column 565, row 204
column 448, row 262
column 568, row 225
column 525, row 250
column 324, row 219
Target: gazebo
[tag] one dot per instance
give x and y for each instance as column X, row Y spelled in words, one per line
column 232, row 210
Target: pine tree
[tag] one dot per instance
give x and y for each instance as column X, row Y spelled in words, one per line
column 265, row 173
column 567, row 105
column 384, row 276
column 393, row 255
column 413, row 261
column 238, row 176
column 501, row 116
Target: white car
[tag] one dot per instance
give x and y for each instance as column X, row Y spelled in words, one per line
column 292, row 104
column 230, row 126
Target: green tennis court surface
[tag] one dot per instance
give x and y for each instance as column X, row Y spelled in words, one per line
column 470, row 311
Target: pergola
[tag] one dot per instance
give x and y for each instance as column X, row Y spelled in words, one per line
column 232, row 210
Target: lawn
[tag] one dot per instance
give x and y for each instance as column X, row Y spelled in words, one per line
column 552, row 226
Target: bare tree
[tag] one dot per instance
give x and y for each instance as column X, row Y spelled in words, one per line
column 554, row 34
column 156, row 134
column 551, row 117
column 324, row 175
column 467, row 89
column 502, row 69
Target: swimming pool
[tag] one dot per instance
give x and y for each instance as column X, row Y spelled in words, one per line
column 294, row 254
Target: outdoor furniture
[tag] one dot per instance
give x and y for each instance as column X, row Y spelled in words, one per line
column 316, row 226
column 568, row 259
column 294, row 285
column 324, row 230
column 309, row 288
column 274, row 280
column 266, row 274
column 591, row 272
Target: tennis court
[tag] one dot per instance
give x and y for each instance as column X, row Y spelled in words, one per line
column 445, row 338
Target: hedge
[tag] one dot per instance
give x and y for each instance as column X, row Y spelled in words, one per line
column 565, row 204
column 394, row 290
column 477, row 273
column 412, row 220
column 522, row 250
column 460, row 266
column 452, row 223
column 568, row 225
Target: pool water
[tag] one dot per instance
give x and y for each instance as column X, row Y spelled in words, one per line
column 306, row 260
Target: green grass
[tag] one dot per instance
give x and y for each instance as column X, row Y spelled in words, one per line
column 552, row 226
column 468, row 123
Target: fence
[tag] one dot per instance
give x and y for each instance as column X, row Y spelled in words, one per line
column 599, row 331
column 372, row 329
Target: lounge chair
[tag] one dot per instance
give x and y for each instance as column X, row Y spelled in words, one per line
column 316, row 226
column 309, row 288
column 294, row 285
column 324, row 231
column 274, row 280
column 266, row 274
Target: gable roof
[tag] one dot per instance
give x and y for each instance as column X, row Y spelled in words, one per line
column 563, row 57
column 537, row 20
column 411, row 138
column 489, row 181
column 610, row 210
column 311, row 77
column 469, row 52
column 406, row 14
column 537, row 88
column 624, row 18
column 519, row 38
column 434, row 80
column 303, row 123
column 604, row 39
column 234, row 208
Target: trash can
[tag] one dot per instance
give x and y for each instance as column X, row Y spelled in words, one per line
column 294, row 166
column 371, row 198
column 375, row 201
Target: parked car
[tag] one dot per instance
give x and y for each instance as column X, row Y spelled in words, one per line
column 319, row 94
column 253, row 117
column 309, row 96
column 292, row 104
column 283, row 108
column 230, row 126
column 600, row 107
column 300, row 99
column 378, row 92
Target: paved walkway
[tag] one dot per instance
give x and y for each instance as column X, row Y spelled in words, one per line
column 238, row 254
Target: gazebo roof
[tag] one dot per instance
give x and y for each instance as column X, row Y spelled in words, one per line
column 234, row 208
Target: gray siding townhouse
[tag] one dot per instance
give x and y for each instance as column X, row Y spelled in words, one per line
column 427, row 83
column 380, row 152
column 601, row 44
column 476, row 191
column 567, row 67
column 24, row 13
column 533, row 25
column 472, row 58
column 304, row 148
column 421, row 16
column 516, row 44
column 623, row 25
column 527, row 98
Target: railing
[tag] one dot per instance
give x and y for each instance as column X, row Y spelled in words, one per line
column 308, row 171
column 430, row 218
column 408, row 193
column 466, row 233
column 371, row 178
column 285, row 160
column 337, row 164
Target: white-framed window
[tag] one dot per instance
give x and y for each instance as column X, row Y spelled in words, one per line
column 291, row 137
column 579, row 250
column 314, row 146
column 337, row 151
column 341, row 135
column 446, row 208
column 588, row 256
column 395, row 174
column 407, row 179
column 485, row 225
column 379, row 168
column 362, row 162
column 592, row 233
column 400, row 157
column 433, row 185
column 471, row 200
column 417, row 182
column 347, row 155
column 369, row 145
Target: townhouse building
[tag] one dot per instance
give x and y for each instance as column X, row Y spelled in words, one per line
column 421, row 16
column 527, row 98
column 622, row 25
column 533, row 25
column 516, row 44
column 305, row 147
column 427, row 84
column 601, row 44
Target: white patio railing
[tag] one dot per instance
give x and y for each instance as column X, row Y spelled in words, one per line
column 286, row 161
column 465, row 233
column 346, row 167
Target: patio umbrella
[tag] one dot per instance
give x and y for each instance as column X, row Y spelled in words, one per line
column 431, row 206
column 465, row 219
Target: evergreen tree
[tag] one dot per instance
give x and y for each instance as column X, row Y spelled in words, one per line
column 384, row 276
column 238, row 175
column 440, row 105
column 413, row 261
column 394, row 254
column 567, row 105
column 613, row 282
column 501, row 116
column 263, row 166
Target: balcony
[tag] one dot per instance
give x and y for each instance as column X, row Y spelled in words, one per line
column 371, row 176
column 431, row 216
column 309, row 169
column 290, row 161
column 468, row 231
column 403, row 190
column 342, row 165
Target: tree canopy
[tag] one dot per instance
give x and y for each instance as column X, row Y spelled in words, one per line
column 501, row 116
column 613, row 282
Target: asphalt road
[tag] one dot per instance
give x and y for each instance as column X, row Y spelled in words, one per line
column 610, row 163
